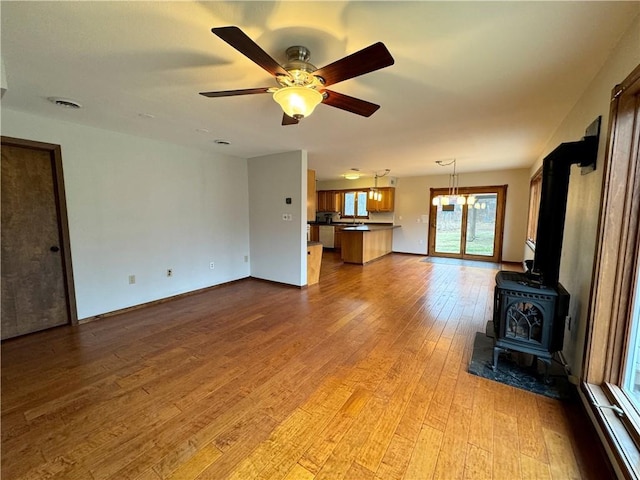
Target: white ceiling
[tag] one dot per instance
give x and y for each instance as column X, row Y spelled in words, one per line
column 484, row 82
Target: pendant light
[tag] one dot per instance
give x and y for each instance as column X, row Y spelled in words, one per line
column 452, row 197
column 374, row 193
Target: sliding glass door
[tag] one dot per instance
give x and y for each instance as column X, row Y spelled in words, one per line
column 468, row 225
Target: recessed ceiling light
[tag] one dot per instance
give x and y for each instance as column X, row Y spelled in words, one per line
column 202, row 130
column 146, row 115
column 222, row 142
column 65, row 102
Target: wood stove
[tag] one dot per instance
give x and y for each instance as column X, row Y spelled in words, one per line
column 530, row 308
column 528, row 317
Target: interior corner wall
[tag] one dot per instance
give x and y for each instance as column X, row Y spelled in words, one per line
column 583, row 203
column 278, row 246
column 139, row 207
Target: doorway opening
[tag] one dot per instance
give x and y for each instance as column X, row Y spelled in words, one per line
column 471, row 226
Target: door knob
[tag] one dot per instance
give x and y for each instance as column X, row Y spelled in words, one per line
column 55, row 248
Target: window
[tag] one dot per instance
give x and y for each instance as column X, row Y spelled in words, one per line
column 534, row 207
column 632, row 365
column 611, row 358
column 355, row 204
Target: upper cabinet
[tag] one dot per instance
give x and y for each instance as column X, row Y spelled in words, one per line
column 386, row 202
column 329, row 201
column 311, row 195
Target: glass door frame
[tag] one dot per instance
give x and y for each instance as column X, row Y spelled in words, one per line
column 501, row 193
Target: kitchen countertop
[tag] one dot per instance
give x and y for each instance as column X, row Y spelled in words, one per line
column 369, row 228
column 350, row 224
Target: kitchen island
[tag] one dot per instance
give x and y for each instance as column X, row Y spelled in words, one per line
column 363, row 243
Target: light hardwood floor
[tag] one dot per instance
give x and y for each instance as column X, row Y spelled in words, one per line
column 362, row 376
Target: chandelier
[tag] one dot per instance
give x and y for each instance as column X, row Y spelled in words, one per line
column 374, row 193
column 453, row 196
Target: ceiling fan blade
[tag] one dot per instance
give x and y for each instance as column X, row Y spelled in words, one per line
column 369, row 59
column 250, row 49
column 232, row 93
column 350, row 104
column 287, row 120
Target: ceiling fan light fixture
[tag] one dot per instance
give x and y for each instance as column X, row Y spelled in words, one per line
column 298, row 102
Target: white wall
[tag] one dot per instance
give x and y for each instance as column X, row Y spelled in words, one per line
column 580, row 232
column 138, row 207
column 278, row 247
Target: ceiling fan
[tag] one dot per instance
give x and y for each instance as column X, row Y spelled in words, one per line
column 302, row 86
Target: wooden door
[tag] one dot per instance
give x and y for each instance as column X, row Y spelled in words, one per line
column 37, row 291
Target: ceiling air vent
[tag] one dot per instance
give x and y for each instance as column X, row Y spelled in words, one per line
column 65, row 102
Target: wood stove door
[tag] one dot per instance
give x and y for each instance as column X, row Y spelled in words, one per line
column 525, row 322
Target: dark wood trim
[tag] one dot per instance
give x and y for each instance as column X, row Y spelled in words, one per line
column 617, row 245
column 614, row 278
column 55, row 153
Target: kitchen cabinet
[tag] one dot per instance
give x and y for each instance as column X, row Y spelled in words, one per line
column 314, row 233
column 329, row 201
column 364, row 244
column 311, row 195
column 337, row 238
column 386, row 202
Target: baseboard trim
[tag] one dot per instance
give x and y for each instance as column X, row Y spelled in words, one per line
column 158, row 301
column 274, row 282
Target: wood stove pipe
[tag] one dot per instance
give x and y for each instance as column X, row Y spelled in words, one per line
column 553, row 202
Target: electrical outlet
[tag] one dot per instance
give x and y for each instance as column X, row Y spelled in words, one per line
column 169, row 272
column 132, row 279
column 212, row 265
column 246, row 259
column 284, row 217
